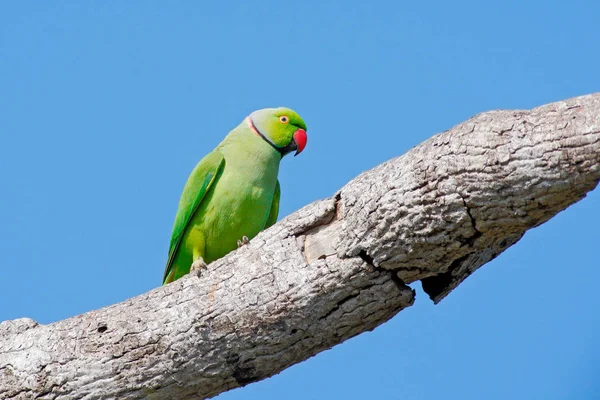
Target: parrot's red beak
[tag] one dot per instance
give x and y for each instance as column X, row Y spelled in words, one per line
column 300, row 140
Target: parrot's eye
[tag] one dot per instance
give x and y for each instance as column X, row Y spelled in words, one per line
column 284, row 119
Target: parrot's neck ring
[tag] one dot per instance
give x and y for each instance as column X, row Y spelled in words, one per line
column 282, row 150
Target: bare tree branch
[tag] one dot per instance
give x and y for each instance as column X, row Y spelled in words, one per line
column 330, row 271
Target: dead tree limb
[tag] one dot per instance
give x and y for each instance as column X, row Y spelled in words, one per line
column 334, row 269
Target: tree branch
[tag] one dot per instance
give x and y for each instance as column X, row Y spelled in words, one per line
column 334, row 269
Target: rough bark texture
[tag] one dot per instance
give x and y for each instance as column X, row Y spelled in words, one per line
column 332, row 270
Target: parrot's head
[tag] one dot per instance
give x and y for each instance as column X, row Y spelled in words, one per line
column 281, row 127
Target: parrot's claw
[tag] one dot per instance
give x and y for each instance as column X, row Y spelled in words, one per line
column 244, row 241
column 198, row 265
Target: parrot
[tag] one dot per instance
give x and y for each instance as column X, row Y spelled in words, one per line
column 233, row 192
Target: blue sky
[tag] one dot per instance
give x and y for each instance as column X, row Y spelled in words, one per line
column 105, row 107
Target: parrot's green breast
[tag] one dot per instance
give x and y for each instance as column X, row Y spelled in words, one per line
column 239, row 205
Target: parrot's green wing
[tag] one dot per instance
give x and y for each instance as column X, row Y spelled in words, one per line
column 197, row 186
column 274, row 207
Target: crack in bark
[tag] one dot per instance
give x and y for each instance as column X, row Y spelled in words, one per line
column 340, row 304
column 392, row 273
column 366, row 258
column 471, row 240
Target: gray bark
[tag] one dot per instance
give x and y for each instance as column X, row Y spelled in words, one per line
column 334, row 269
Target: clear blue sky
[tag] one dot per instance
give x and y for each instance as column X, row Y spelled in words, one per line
column 106, row 106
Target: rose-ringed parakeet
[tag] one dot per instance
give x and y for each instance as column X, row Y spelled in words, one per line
column 233, row 192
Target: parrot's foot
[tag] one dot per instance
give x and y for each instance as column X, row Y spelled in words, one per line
column 244, row 241
column 198, row 265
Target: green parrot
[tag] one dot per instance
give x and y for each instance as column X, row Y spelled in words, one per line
column 233, row 192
